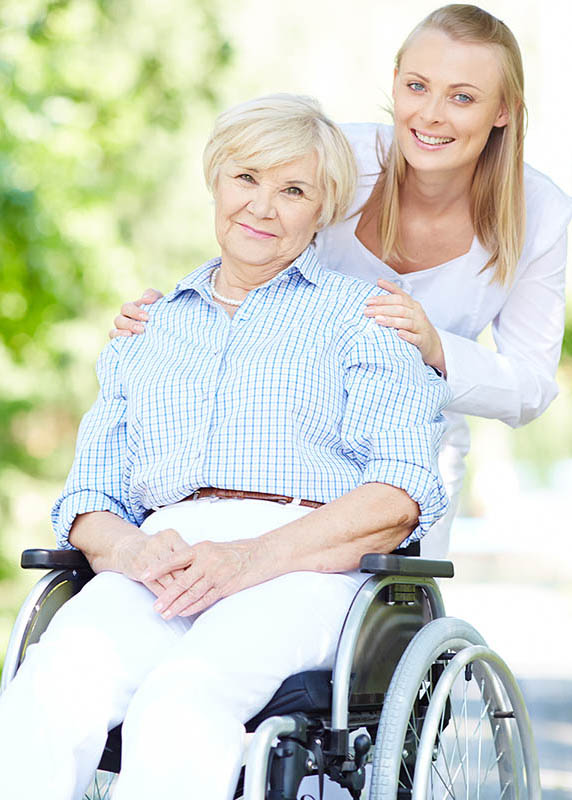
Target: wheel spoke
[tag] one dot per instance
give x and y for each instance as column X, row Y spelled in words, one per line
column 465, row 717
column 448, row 786
column 456, row 745
column 480, row 740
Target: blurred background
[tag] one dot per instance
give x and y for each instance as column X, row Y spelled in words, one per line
column 105, row 107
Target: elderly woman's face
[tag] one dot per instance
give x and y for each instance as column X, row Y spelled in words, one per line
column 266, row 217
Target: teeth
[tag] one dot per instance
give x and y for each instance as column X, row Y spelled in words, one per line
column 432, row 139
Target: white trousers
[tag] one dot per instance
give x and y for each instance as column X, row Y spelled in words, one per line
column 183, row 688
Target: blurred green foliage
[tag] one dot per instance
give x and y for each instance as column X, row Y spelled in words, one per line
column 99, row 99
column 567, row 343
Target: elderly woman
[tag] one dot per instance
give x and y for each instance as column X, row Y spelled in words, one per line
column 239, row 461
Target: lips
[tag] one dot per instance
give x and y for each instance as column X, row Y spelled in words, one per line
column 434, row 141
column 257, row 234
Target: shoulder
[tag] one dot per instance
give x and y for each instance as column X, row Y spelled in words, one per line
column 345, row 293
column 166, row 318
column 548, row 212
column 346, row 298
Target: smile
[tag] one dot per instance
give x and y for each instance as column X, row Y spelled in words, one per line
column 256, row 233
column 432, row 140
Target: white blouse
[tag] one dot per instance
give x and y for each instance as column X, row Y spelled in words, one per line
column 516, row 383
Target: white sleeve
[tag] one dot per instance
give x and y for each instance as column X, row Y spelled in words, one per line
column 516, row 383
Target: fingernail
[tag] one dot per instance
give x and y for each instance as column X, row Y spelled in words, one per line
column 147, row 295
column 159, row 606
column 167, row 615
column 138, row 328
column 143, row 315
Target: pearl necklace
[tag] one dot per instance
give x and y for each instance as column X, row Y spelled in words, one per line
column 226, row 300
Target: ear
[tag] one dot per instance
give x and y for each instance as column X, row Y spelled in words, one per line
column 502, row 117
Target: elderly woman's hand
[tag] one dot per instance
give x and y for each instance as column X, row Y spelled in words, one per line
column 205, row 573
column 399, row 310
column 132, row 316
column 135, row 555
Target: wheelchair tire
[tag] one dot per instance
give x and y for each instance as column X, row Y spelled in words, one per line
column 445, row 729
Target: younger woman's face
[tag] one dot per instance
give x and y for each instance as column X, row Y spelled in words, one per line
column 447, row 99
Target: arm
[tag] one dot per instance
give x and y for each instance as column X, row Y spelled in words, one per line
column 111, row 543
column 93, row 513
column 516, row 383
column 95, row 479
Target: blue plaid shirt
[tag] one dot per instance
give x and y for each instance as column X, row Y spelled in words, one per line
column 298, row 394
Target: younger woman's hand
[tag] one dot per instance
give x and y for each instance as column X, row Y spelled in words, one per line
column 399, row 310
column 132, row 317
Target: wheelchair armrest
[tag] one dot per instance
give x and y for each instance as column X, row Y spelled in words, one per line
column 54, row 559
column 405, row 565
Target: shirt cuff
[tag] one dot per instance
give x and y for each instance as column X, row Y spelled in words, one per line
column 67, row 509
column 422, row 486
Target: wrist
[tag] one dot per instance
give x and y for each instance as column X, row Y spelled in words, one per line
column 436, row 357
column 122, row 553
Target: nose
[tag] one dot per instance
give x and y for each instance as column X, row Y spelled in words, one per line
column 261, row 205
column 432, row 111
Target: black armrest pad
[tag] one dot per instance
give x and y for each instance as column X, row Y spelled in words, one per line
column 54, row 559
column 404, row 565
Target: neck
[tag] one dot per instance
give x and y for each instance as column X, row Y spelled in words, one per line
column 437, row 193
column 235, row 279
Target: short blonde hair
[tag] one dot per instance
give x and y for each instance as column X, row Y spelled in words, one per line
column 497, row 191
column 276, row 129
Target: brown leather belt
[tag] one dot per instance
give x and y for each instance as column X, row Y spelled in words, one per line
column 211, row 491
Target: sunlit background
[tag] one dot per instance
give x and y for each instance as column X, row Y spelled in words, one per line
column 105, row 105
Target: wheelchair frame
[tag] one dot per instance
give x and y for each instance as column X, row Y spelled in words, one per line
column 396, row 620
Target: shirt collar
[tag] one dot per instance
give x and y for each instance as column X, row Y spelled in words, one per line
column 306, row 264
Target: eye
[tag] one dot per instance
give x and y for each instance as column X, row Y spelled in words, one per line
column 461, row 97
column 294, row 191
column 244, row 176
column 416, row 86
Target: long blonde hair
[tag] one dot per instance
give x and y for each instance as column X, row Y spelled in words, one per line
column 497, row 190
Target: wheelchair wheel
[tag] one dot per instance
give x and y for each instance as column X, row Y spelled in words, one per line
column 453, row 723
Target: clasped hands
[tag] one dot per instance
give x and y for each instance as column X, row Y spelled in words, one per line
column 186, row 579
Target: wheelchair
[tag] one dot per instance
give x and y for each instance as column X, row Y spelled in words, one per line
column 416, row 703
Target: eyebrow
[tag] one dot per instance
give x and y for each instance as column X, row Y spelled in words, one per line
column 297, row 183
column 451, row 85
